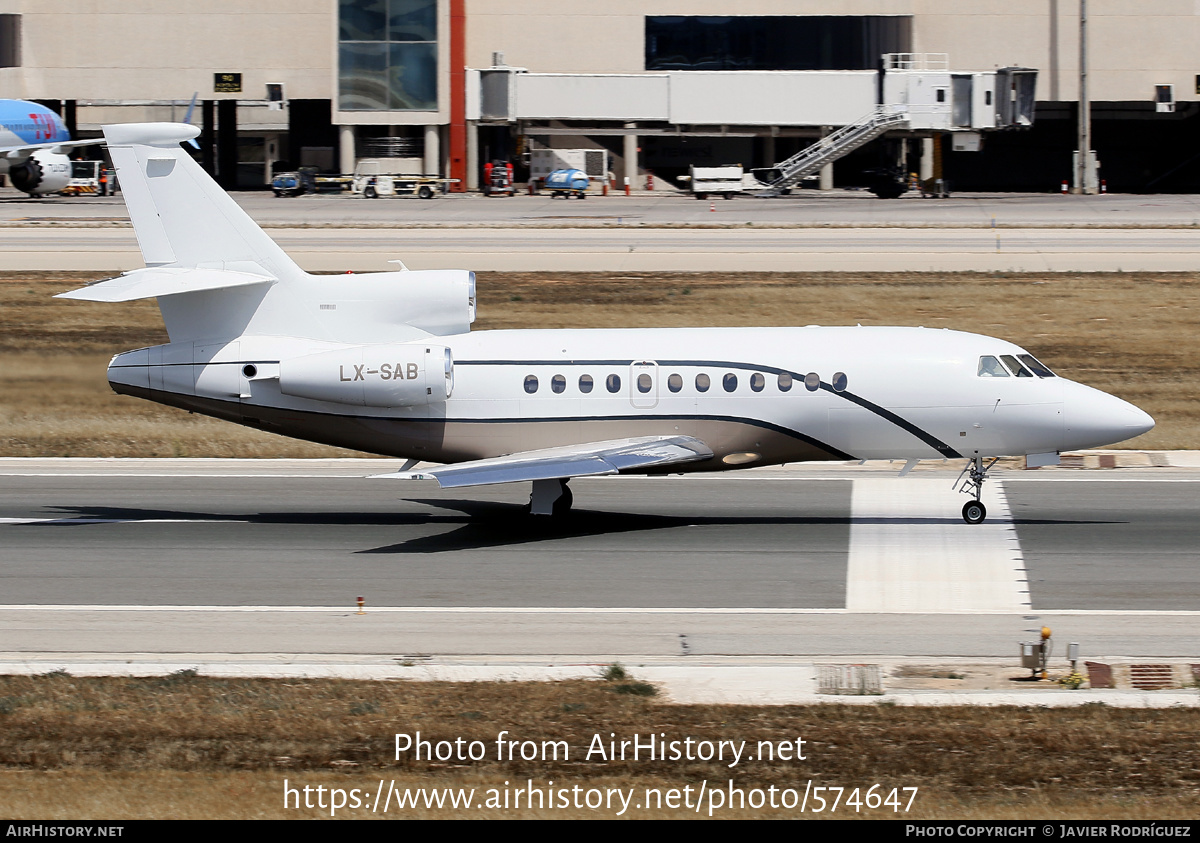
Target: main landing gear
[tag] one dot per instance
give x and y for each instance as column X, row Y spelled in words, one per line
column 973, row 511
column 550, row 497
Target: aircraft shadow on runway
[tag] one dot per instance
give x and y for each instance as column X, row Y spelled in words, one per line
column 487, row 524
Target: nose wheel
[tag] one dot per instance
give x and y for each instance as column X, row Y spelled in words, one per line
column 974, row 512
column 970, row 482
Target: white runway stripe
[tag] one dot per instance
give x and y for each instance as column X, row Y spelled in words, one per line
column 910, row 550
column 68, row 522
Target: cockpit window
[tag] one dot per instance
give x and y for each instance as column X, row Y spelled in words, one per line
column 989, row 367
column 1015, row 366
column 1038, row 367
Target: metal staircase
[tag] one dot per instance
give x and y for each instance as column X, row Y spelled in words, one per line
column 833, row 146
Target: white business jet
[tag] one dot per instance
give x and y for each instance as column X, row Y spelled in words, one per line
column 386, row 363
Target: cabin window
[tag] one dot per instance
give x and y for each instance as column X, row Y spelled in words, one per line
column 644, row 383
column 989, row 367
column 729, row 382
column 812, row 381
column 531, row 384
column 1039, row 368
column 785, row 381
column 702, row 382
column 585, row 383
column 675, row 383
column 613, row 383
column 757, row 382
column 558, row 384
column 1015, row 366
column 839, row 382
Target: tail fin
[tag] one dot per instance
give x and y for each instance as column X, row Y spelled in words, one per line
column 182, row 218
column 215, row 273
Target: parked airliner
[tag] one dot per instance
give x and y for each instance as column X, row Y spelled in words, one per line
column 33, row 147
column 386, row 362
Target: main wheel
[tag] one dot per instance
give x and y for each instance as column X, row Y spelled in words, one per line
column 973, row 512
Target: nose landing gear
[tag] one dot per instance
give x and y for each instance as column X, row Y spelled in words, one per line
column 973, row 511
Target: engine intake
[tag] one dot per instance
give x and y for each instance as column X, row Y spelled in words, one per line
column 42, row 172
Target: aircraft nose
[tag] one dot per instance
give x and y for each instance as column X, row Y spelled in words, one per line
column 1093, row 418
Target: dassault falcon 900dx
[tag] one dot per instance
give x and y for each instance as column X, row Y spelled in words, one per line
column 386, row 363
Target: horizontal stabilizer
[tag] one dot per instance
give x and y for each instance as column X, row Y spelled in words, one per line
column 588, row 459
column 149, row 134
column 163, row 281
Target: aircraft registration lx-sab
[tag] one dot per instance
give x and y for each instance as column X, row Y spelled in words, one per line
column 386, row 363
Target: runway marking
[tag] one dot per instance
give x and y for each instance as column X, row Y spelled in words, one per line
column 903, row 560
column 74, row 522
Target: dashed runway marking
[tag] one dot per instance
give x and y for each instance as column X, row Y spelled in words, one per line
column 910, row 551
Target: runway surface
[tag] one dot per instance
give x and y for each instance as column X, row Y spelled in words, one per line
column 630, row 249
column 854, row 208
column 815, row 561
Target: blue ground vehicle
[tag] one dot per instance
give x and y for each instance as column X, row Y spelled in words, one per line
column 567, row 183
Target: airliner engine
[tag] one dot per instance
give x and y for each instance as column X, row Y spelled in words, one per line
column 42, row 172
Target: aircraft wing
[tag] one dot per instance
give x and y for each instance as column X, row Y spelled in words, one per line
column 27, row 149
column 589, row 459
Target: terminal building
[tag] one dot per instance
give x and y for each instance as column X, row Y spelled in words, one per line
column 658, row 85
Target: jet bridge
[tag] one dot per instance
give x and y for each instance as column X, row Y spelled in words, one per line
column 916, row 93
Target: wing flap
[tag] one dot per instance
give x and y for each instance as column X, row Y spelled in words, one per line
column 586, row 460
column 163, row 281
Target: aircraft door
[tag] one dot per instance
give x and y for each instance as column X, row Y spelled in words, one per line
column 643, row 384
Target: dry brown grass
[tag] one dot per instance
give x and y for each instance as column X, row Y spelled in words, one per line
column 1132, row 334
column 186, row 746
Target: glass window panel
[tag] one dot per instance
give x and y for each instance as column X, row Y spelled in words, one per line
column 774, row 42
column 412, row 77
column 362, row 77
column 839, row 382
column 702, row 382
column 1014, row 365
column 1039, row 368
column 729, row 382
column 362, row 20
column 613, row 383
column 757, row 382
column 812, row 381
column 644, row 383
column 989, row 367
column 558, row 383
column 531, row 384
column 412, row 20
column 675, row 383
column 585, row 383
column 785, row 381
